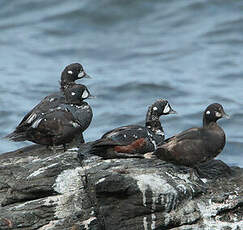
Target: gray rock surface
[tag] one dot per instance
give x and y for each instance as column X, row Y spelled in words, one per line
column 47, row 191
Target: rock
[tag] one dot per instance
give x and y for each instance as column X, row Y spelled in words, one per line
column 43, row 190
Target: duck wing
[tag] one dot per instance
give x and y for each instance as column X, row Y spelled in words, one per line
column 126, row 134
column 54, row 128
column 49, row 102
column 186, row 148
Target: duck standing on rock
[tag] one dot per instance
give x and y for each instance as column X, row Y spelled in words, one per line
column 127, row 141
column 69, row 75
column 196, row 145
column 60, row 125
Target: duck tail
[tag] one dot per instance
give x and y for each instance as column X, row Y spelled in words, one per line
column 99, row 147
column 14, row 136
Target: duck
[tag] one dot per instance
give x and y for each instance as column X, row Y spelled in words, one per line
column 61, row 125
column 196, row 145
column 69, row 75
column 133, row 140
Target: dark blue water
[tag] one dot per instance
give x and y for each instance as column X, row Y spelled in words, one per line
column 188, row 51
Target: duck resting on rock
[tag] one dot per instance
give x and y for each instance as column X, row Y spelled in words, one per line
column 196, row 145
column 69, row 75
column 132, row 140
column 61, row 125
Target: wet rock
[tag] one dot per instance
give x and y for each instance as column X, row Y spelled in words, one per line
column 47, row 191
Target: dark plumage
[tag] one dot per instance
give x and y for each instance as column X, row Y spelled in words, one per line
column 61, row 124
column 69, row 75
column 134, row 139
column 196, row 145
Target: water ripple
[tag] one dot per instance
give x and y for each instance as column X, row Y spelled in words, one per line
column 187, row 51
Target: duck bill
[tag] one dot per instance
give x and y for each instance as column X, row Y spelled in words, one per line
column 225, row 115
column 91, row 97
column 172, row 112
column 82, row 74
column 87, row 76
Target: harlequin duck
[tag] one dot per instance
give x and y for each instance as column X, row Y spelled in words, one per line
column 134, row 139
column 62, row 124
column 69, row 75
column 196, row 145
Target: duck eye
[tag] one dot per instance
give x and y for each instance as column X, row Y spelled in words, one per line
column 73, row 93
column 155, row 108
column 70, row 71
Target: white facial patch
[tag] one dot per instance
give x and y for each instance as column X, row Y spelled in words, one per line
column 218, row 114
column 73, row 93
column 85, row 94
column 81, row 74
column 208, row 112
column 167, row 108
column 70, row 72
column 155, row 108
column 52, row 99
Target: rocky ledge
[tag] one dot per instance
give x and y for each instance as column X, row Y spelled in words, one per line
column 47, row 191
